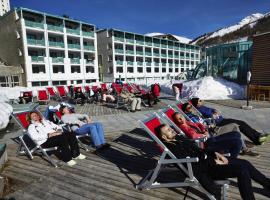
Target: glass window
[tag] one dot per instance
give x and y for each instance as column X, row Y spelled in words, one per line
column 156, row 70
column 75, row 69
column 90, row 69
column 163, row 70
column 4, row 81
column 58, row 69
column 148, row 69
column 140, row 70
column 119, row 69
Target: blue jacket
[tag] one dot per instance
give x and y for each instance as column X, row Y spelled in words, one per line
column 208, row 113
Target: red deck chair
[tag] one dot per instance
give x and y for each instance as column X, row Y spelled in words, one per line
column 129, row 88
column 117, row 88
column 43, row 96
column 52, row 92
column 27, row 146
column 167, row 114
column 196, row 110
column 167, row 157
column 27, row 96
column 81, row 144
column 61, row 91
column 103, row 87
column 179, row 105
column 95, row 88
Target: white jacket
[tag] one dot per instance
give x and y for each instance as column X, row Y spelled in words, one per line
column 39, row 131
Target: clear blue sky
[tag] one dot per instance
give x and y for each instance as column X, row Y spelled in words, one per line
column 189, row 18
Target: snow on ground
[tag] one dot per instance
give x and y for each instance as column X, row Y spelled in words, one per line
column 206, row 88
column 179, row 38
column 5, row 111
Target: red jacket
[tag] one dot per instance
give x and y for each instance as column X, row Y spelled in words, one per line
column 192, row 130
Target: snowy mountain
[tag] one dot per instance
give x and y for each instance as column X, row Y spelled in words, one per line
column 250, row 25
column 169, row 36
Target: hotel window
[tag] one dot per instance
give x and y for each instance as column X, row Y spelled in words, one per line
column 59, row 82
column 75, row 69
column 39, row 83
column 58, row 69
column 156, row 70
column 36, row 69
column 148, row 69
column 90, row 69
column 119, row 69
column 140, row 70
column 4, row 81
column 163, row 70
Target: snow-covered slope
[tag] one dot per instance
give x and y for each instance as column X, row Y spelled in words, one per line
column 179, row 38
column 249, row 21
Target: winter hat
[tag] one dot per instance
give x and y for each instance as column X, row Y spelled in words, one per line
column 184, row 106
column 194, row 102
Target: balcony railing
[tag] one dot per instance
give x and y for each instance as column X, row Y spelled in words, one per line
column 139, row 63
column 170, row 55
column 170, row 47
column 156, row 64
column 89, row 48
column 39, row 59
column 58, row 60
column 148, row 63
column 88, row 61
column 56, row 44
column 163, row 55
column 119, row 62
column 148, row 43
column 156, row 54
column 119, row 39
column 156, row 45
column 121, row 51
column 75, row 60
column 34, row 24
column 88, row 34
column 74, row 46
column 139, row 52
column 163, row 46
column 131, row 41
column 130, row 52
column 36, row 42
column 55, row 28
column 170, row 64
column 140, row 42
column 130, row 63
column 182, row 57
column 164, row 64
column 73, row 31
column 148, row 53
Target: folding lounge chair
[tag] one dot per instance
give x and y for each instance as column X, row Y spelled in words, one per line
column 117, row 88
column 62, row 91
column 27, row 94
column 52, row 93
column 167, row 114
column 43, row 96
column 81, row 144
column 167, row 157
column 179, row 109
column 27, row 146
column 103, row 87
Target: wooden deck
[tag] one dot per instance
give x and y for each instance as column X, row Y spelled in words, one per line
column 111, row 174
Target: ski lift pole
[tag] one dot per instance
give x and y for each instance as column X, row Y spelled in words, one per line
column 248, row 81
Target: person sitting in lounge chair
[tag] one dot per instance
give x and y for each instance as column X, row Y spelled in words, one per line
column 212, row 165
column 46, row 134
column 229, row 142
column 132, row 99
column 79, row 126
column 79, row 95
column 107, row 97
column 256, row 137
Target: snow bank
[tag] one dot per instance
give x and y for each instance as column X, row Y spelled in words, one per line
column 14, row 93
column 207, row 88
column 5, row 111
column 179, row 38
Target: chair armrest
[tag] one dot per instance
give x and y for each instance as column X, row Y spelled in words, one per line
column 175, row 161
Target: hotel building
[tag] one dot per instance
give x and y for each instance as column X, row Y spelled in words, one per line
column 51, row 50
column 137, row 58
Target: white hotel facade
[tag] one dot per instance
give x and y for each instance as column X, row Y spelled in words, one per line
column 51, row 50
column 137, row 58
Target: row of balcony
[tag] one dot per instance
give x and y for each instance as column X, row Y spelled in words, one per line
column 59, row 28
column 59, row 44
column 141, row 42
column 130, row 63
column 130, row 52
column 40, row 59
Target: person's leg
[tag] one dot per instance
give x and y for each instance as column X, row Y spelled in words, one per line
column 91, row 130
column 255, row 174
column 232, row 170
column 229, row 142
column 133, row 104
column 73, row 144
column 63, row 147
column 100, row 131
column 138, row 106
column 247, row 130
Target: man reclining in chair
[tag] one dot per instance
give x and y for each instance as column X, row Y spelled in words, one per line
column 80, row 127
column 218, row 130
column 212, row 165
column 229, row 142
column 132, row 99
column 46, row 134
column 256, row 137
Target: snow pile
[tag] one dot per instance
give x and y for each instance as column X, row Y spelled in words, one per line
column 208, row 88
column 179, row 38
column 14, row 93
column 5, row 111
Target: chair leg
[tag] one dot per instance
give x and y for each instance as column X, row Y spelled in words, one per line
column 48, row 157
column 27, row 151
column 82, row 145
